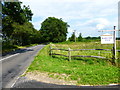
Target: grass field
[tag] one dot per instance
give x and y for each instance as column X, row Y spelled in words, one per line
column 85, row 71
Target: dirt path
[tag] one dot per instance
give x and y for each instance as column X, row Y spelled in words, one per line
column 44, row 77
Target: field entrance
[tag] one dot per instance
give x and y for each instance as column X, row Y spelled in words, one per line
column 81, row 70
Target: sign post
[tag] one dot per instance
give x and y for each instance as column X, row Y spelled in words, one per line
column 107, row 39
column 114, row 42
column 114, row 48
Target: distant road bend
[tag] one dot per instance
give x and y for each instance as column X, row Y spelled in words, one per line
column 15, row 63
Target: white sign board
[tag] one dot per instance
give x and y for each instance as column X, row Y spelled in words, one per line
column 107, row 39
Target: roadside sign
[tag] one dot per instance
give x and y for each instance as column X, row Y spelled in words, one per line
column 107, row 39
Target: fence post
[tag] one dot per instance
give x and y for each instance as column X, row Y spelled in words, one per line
column 113, row 57
column 50, row 53
column 99, row 53
column 69, row 54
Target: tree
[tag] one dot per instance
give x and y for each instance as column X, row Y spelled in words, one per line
column 88, row 37
column 22, row 33
column 16, row 13
column 54, row 30
column 72, row 38
column 35, row 37
column 13, row 14
column 80, row 37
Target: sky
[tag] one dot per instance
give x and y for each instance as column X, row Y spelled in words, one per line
column 83, row 16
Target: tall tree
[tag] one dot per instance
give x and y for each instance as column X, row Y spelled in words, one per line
column 72, row 38
column 80, row 37
column 22, row 33
column 54, row 30
column 14, row 14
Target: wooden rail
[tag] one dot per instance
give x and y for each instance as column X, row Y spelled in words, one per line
column 83, row 49
column 69, row 52
column 78, row 56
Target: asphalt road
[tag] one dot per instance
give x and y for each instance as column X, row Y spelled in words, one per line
column 15, row 63
column 24, row 82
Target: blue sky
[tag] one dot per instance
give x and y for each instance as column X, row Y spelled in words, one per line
column 84, row 16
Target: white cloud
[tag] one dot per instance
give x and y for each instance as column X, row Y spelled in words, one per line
column 70, row 8
column 82, row 15
column 97, row 22
column 100, row 26
column 57, row 1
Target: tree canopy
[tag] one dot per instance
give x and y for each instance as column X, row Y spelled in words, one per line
column 54, row 30
column 16, row 13
column 72, row 38
column 16, row 26
column 80, row 37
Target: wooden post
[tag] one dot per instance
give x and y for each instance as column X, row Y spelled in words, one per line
column 115, row 41
column 69, row 54
column 50, row 50
column 99, row 53
column 114, row 46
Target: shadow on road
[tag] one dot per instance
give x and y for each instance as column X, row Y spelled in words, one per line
column 22, row 83
column 17, row 51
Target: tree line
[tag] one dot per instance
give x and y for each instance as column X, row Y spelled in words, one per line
column 73, row 38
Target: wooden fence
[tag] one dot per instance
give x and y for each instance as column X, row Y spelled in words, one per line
column 69, row 52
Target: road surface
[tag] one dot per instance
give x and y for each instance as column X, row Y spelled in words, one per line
column 15, row 63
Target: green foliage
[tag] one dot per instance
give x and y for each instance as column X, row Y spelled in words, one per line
column 17, row 29
column 53, row 30
column 72, row 38
column 13, row 12
column 16, row 12
column 22, row 33
column 80, row 37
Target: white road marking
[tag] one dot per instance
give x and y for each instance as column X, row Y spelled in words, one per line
column 23, row 72
column 16, row 54
column 15, row 82
column 9, row 57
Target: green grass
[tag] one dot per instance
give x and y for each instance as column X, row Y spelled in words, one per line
column 90, row 71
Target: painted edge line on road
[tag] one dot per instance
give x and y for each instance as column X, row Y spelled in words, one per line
column 15, row 82
column 16, row 54
column 23, row 72
column 9, row 57
column 19, row 77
